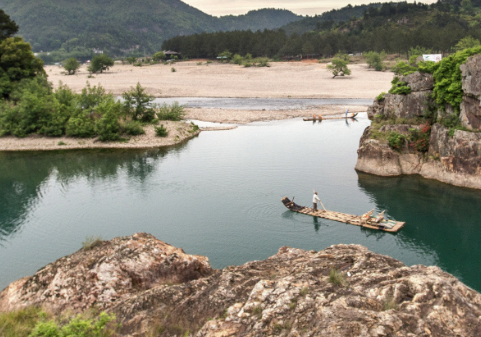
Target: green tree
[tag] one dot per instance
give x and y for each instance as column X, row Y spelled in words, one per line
column 8, row 27
column 374, row 60
column 17, row 62
column 467, row 42
column 137, row 104
column 100, row 63
column 307, row 48
column 71, row 65
column 339, row 67
column 159, row 56
column 225, row 55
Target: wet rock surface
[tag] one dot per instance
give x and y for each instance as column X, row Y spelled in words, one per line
column 288, row 294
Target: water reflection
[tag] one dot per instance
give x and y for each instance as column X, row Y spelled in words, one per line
column 439, row 218
column 25, row 176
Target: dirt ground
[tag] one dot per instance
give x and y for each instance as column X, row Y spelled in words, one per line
column 280, row 80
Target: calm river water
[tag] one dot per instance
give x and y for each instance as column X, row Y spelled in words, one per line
column 219, row 195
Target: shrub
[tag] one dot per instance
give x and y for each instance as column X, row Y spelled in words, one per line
column 420, row 139
column 91, row 242
column 339, row 67
column 71, row 65
column 199, row 63
column 61, row 143
column 195, row 127
column 20, row 323
column 389, row 304
column 159, row 56
column 161, row 131
column 263, row 62
column 107, row 127
column 375, row 60
column 402, row 68
column 174, row 112
column 336, row 277
column 80, row 125
column 396, row 140
column 399, row 87
column 381, row 97
column 173, row 70
column 137, row 104
column 101, row 62
column 133, row 128
column 237, row 59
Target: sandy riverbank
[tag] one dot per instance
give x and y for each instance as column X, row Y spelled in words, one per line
column 249, row 116
column 281, row 80
column 178, row 132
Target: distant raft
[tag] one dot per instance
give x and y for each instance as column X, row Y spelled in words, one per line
column 320, row 118
column 384, row 225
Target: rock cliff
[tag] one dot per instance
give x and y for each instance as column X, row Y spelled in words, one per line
column 289, row 294
column 453, row 156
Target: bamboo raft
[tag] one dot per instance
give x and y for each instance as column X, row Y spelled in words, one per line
column 320, row 118
column 385, row 225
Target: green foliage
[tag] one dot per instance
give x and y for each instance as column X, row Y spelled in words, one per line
column 138, row 104
column 101, row 62
column 466, row 43
column 403, row 69
column 107, row 127
column 131, row 60
column 415, row 52
column 76, row 327
column 396, row 140
column 173, row 70
column 257, row 311
column 342, row 56
column 8, row 27
column 381, row 97
column 91, row 242
column 399, row 87
column 420, row 139
column 262, row 62
column 375, row 60
column 336, row 277
column 161, row 131
column 159, row 56
column 174, row 112
column 195, row 127
column 389, row 304
column 17, row 62
column 237, row 59
column 448, row 77
column 71, row 65
column 339, row 67
column 225, row 55
column 81, row 125
column 20, row 323
column 133, row 128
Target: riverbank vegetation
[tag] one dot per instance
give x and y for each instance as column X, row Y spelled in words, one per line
column 35, row 322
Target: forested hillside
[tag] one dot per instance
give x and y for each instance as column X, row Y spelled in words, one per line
column 123, row 26
column 392, row 27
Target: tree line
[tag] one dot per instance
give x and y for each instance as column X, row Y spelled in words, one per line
column 394, row 28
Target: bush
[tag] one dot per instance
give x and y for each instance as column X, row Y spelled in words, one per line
column 107, row 127
column 237, row 59
column 159, row 56
column 381, row 97
column 20, row 323
column 174, row 112
column 161, row 131
column 339, row 67
column 263, row 62
column 173, row 70
column 71, row 65
column 420, row 139
column 91, row 242
column 399, row 87
column 336, row 277
column 80, row 125
column 101, row 62
column 396, row 140
column 137, row 104
column 375, row 60
column 133, row 128
column 403, row 69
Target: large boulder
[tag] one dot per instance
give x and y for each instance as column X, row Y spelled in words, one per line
column 471, row 113
column 407, row 106
column 471, row 72
column 419, row 81
column 376, row 109
column 104, row 275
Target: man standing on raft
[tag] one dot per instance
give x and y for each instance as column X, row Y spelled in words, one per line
column 315, row 199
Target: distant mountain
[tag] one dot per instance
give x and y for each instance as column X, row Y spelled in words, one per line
column 123, row 25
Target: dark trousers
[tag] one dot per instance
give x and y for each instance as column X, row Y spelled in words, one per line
column 314, row 207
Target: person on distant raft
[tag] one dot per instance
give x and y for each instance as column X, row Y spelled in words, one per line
column 347, row 111
column 315, row 199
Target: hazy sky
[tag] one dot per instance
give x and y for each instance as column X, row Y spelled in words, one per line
column 303, row 7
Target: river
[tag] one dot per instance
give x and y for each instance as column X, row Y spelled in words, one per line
column 219, row 195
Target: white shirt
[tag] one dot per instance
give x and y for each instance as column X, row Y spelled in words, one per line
column 315, row 198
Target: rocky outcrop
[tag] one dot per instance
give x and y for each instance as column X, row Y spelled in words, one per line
column 471, row 105
column 418, row 81
column 105, row 275
column 291, row 294
column 452, row 159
